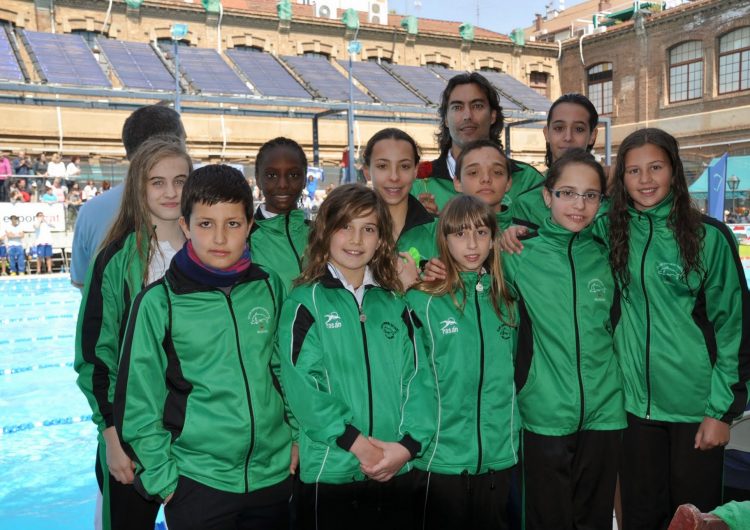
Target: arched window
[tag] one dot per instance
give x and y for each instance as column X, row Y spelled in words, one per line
column 316, row 54
column 600, row 87
column 734, row 61
column 246, row 48
column 686, row 71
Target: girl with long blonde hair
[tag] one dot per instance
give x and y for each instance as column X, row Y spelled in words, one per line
column 137, row 251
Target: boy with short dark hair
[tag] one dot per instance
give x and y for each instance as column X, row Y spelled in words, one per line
column 197, row 405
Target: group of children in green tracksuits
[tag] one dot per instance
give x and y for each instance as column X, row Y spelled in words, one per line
column 384, row 368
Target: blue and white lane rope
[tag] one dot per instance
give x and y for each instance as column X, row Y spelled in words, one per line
column 19, row 427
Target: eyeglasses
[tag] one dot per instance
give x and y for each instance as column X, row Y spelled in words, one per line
column 590, row 197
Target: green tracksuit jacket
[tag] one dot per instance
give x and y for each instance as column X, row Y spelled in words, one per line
column 348, row 370
column 529, row 209
column 418, row 235
column 196, row 395
column 114, row 280
column 470, row 352
column 503, row 218
column 279, row 243
column 440, row 182
column 566, row 370
column 683, row 343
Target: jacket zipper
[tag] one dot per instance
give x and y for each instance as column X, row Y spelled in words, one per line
column 648, row 319
column 481, row 381
column 291, row 244
column 578, row 336
column 362, row 319
column 247, row 392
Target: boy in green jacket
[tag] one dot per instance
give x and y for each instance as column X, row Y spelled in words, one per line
column 197, row 405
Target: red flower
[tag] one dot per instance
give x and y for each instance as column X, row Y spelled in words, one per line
column 424, row 170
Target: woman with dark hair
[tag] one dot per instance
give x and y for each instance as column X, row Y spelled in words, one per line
column 680, row 276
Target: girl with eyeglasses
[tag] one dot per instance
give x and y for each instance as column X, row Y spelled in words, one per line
column 683, row 342
column 567, row 378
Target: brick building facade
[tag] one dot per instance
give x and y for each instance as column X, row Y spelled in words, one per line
column 685, row 70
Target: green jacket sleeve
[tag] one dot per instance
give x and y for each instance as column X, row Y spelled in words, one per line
column 323, row 417
column 98, row 337
column 728, row 309
column 141, row 393
column 419, row 401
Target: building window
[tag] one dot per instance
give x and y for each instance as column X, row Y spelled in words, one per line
column 686, row 71
column 315, row 54
column 600, row 87
column 436, row 63
column 246, row 48
column 538, row 82
column 90, row 37
column 734, row 61
column 166, row 43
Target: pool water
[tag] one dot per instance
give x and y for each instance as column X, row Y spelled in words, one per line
column 47, row 441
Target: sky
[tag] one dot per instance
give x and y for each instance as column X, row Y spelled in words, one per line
column 501, row 16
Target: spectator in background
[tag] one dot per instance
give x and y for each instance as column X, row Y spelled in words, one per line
column 98, row 213
column 58, row 189
column 16, row 256
column 21, row 187
column 41, row 166
column 43, row 242
column 56, row 169
column 73, row 203
column 48, row 196
column 22, row 164
column 89, row 191
column 6, row 170
column 105, row 185
column 73, row 169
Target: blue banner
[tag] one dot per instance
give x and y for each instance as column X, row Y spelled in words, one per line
column 717, row 185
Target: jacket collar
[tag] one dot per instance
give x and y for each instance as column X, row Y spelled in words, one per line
column 440, row 168
column 560, row 236
column 660, row 212
column 416, row 214
column 181, row 283
column 294, row 216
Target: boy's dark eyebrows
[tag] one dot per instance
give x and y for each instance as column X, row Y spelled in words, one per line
column 563, row 122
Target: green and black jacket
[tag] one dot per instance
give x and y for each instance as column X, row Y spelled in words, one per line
column 348, row 370
column 529, row 208
column 470, row 352
column 114, row 280
column 197, row 395
column 683, row 343
column 279, row 243
column 567, row 375
column 419, row 232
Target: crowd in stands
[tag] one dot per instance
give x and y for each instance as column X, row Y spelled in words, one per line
column 40, row 180
column 52, row 181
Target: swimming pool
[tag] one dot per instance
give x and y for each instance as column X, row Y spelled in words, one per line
column 48, row 442
column 47, row 439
